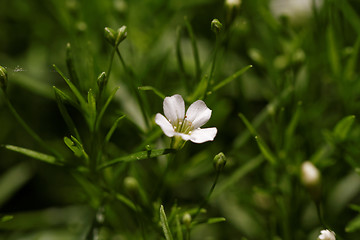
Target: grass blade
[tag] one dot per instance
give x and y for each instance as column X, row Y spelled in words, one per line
column 73, row 88
column 150, row 88
column 165, row 224
column 103, row 109
column 34, row 154
column 137, row 157
column 113, row 128
column 230, row 79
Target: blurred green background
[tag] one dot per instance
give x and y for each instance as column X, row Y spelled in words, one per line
column 304, row 81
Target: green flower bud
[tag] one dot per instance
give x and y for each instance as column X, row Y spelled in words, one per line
column 216, row 26
column 110, row 34
column 186, row 219
column 101, row 81
column 115, row 37
column 219, row 161
column 3, row 78
column 121, row 35
column 132, row 186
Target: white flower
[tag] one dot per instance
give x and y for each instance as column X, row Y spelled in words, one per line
column 187, row 126
column 296, row 10
column 326, row 235
column 310, row 175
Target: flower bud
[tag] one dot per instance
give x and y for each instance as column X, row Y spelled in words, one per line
column 115, row 37
column 101, row 81
column 121, row 34
column 186, row 219
column 216, row 26
column 3, row 78
column 110, row 34
column 132, row 186
column 219, row 161
column 232, row 8
column 311, row 179
column 327, row 235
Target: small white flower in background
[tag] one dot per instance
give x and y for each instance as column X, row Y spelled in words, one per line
column 296, row 10
column 310, row 175
column 326, row 235
column 176, row 123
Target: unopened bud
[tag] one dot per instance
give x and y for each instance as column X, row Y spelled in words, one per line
column 311, row 179
column 232, row 8
column 3, row 78
column 219, row 161
column 121, row 34
column 186, row 219
column 131, row 185
column 101, row 81
column 216, row 26
column 110, row 35
column 115, row 37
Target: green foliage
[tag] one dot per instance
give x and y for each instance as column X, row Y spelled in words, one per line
column 82, row 82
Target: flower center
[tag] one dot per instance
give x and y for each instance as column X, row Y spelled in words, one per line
column 183, row 126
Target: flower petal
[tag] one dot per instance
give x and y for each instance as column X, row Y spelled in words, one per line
column 174, row 108
column 198, row 113
column 203, row 135
column 185, row 137
column 165, row 125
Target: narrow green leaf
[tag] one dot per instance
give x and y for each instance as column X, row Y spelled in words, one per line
column 66, row 98
column 343, row 127
column 73, row 88
column 353, row 225
column 333, row 54
column 350, row 14
column 91, row 108
column 34, row 154
column 265, row 150
column 137, row 157
column 231, row 78
column 6, row 218
column 150, row 88
column 294, row 121
column 216, row 220
column 351, row 64
column 64, row 113
column 103, row 109
column 14, row 179
column 126, row 201
column 113, row 128
column 179, row 233
column 73, row 147
column 165, row 224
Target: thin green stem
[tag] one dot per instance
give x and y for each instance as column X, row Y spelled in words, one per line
column 142, row 102
column 160, row 185
column 28, row 129
column 206, row 200
column 320, row 214
column 195, row 49
column 210, row 79
column 111, row 62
